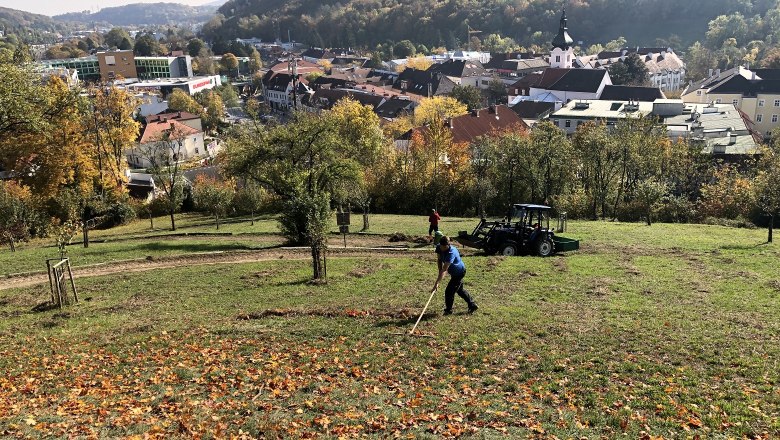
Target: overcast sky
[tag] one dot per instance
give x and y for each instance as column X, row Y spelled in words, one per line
column 52, row 7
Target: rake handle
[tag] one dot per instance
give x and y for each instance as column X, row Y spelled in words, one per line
column 433, row 292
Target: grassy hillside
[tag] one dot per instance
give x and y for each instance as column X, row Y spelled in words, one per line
column 669, row 331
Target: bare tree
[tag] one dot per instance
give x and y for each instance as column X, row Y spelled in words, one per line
column 164, row 157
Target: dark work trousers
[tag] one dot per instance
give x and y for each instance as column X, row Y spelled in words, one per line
column 456, row 285
column 434, row 227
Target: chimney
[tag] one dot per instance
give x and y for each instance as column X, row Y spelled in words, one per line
column 717, row 72
column 732, row 138
column 475, row 113
column 172, row 126
column 709, row 74
column 449, row 123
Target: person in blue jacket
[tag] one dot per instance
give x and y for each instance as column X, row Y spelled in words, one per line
column 449, row 261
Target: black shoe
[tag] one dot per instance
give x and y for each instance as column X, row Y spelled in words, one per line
column 447, row 312
column 473, row 308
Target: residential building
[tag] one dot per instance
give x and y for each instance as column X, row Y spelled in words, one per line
column 284, row 91
column 150, row 104
column 566, row 84
column 461, row 72
column 465, row 129
column 665, row 68
column 577, row 112
column 395, row 107
column 188, row 119
column 631, row 93
column 424, row 83
column 755, row 92
column 154, row 142
column 532, row 112
column 720, row 129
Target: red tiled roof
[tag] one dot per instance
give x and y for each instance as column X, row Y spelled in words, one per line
column 157, row 130
column 468, row 127
column 181, row 116
column 304, row 67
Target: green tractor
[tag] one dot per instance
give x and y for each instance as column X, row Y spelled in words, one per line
column 524, row 231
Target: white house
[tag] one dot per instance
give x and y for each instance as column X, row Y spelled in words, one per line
column 167, row 137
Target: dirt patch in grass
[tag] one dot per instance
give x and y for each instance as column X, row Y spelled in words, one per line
column 599, row 287
column 399, row 237
column 560, row 264
column 367, row 269
column 403, row 313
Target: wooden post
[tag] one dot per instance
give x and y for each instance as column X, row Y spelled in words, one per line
column 72, row 283
column 51, row 285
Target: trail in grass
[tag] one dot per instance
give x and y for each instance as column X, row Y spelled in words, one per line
column 143, row 265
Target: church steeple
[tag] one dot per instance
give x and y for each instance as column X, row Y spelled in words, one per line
column 563, row 40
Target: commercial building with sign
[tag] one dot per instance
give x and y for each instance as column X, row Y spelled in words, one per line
column 166, row 86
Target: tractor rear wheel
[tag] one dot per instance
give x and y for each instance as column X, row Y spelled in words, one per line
column 508, row 249
column 544, row 247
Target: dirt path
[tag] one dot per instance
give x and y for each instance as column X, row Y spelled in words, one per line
column 143, row 265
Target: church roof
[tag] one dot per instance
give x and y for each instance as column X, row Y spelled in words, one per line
column 563, row 40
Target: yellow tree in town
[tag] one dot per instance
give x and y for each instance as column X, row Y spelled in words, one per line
column 438, row 108
column 418, row 63
column 115, row 132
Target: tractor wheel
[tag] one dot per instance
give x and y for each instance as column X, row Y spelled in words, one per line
column 508, row 249
column 544, row 247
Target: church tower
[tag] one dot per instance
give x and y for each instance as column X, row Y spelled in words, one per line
column 562, row 54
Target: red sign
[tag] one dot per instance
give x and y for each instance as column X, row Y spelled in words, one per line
column 201, row 84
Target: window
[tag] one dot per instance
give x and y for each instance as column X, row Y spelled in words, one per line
column 717, row 101
column 698, row 93
column 760, row 102
column 774, row 118
column 568, row 123
column 735, row 101
column 759, row 118
column 110, row 60
column 555, row 121
column 777, row 102
column 557, row 58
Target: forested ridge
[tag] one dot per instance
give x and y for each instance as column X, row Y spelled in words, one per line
column 444, row 22
column 143, row 14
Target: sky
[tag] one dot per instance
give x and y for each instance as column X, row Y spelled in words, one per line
column 52, row 7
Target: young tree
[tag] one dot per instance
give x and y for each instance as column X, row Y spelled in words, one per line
column 194, row 47
column 767, row 188
column 255, row 62
column 147, row 46
column 213, row 196
column 631, row 71
column 164, row 156
column 496, row 91
column 417, row 63
column 649, row 193
column 299, row 162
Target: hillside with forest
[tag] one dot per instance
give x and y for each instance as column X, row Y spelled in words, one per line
column 14, row 21
column 445, row 22
column 143, row 14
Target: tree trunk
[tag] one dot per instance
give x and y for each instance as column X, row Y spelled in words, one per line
column 216, row 217
column 316, row 262
column 173, row 221
column 771, row 227
column 12, row 244
column 365, row 218
column 85, row 230
column 252, row 216
column 648, row 218
column 151, row 219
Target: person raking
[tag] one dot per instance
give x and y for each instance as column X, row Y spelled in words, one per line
column 433, row 219
column 449, row 261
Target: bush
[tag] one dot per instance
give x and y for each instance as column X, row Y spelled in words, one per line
column 739, row 222
column 677, row 209
column 117, row 213
column 575, row 204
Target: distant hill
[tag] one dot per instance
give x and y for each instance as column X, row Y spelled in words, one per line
column 13, row 20
column 342, row 23
column 144, row 14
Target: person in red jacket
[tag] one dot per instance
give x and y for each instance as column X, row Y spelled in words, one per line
column 433, row 219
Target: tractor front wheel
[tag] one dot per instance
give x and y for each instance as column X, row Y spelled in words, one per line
column 508, row 249
column 544, row 247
